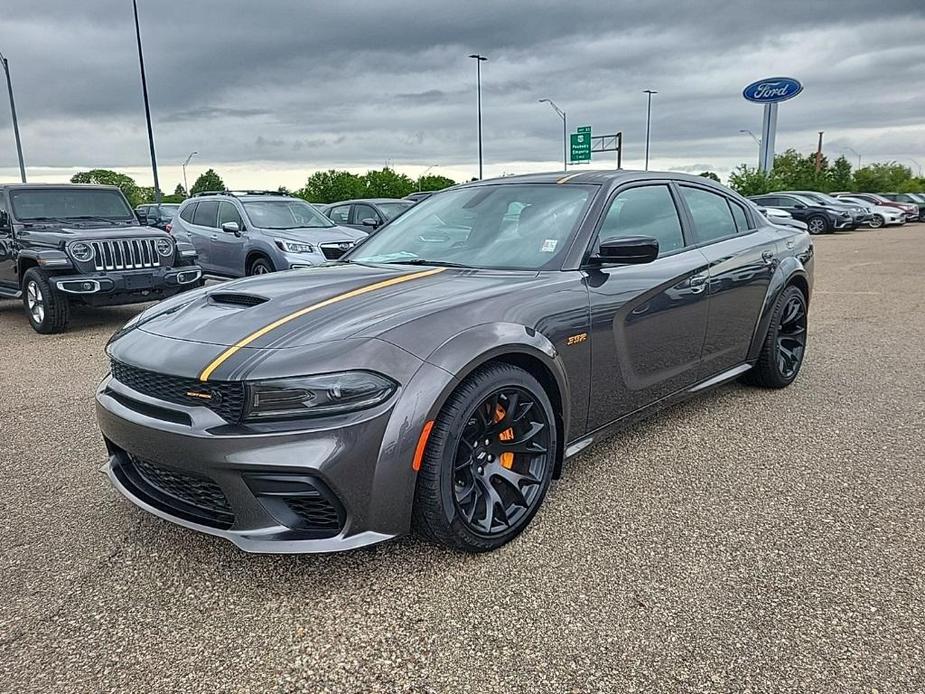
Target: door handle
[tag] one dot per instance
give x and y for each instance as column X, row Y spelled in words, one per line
column 699, row 282
column 213, row 236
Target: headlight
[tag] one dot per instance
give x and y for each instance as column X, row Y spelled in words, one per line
column 164, row 247
column 295, row 246
column 82, row 252
column 314, row 396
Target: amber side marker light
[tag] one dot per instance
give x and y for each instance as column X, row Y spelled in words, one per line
column 422, row 444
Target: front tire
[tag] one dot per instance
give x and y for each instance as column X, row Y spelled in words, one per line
column 488, row 462
column 817, row 225
column 877, row 222
column 784, row 345
column 260, row 266
column 48, row 309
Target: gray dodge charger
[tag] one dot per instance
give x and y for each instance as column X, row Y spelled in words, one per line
column 437, row 377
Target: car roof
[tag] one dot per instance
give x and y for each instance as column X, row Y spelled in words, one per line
column 97, row 186
column 374, row 201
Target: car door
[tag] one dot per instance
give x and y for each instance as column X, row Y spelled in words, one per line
column 7, row 256
column 361, row 212
column 648, row 321
column 227, row 250
column 202, row 229
column 742, row 255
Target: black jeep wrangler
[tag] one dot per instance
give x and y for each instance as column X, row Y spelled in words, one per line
column 61, row 244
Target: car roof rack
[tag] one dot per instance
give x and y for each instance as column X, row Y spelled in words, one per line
column 239, row 193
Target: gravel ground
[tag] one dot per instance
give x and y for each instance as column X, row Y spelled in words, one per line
column 744, row 541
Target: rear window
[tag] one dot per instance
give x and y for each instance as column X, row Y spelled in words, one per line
column 206, row 213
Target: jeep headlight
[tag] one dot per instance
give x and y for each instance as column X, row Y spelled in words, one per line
column 164, row 247
column 82, row 252
column 315, row 396
column 295, row 246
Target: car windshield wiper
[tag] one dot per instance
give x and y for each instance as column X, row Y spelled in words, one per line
column 40, row 220
column 95, row 218
column 425, row 261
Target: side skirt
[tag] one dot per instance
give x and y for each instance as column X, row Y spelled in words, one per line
column 644, row 412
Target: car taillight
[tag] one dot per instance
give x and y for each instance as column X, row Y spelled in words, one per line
column 168, row 228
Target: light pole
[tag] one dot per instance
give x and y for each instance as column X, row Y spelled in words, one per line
column 649, row 93
column 185, row 185
column 144, row 91
column 479, row 59
column 917, row 165
column 421, row 177
column 746, row 131
column 9, row 86
column 855, row 153
column 564, row 131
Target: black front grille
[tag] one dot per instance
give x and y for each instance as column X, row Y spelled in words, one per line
column 316, row 512
column 224, row 398
column 333, row 251
column 180, row 493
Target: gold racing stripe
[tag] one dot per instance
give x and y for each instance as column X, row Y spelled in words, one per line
column 218, row 361
column 565, row 179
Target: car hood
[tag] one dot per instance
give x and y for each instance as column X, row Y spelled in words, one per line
column 323, row 303
column 309, row 235
column 55, row 234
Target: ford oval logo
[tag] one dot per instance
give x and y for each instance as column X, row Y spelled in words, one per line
column 772, row 90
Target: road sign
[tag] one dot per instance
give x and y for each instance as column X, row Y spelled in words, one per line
column 581, row 145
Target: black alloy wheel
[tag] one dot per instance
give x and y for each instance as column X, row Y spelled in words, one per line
column 488, row 462
column 784, row 346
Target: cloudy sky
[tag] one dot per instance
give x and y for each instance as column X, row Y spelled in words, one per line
column 268, row 92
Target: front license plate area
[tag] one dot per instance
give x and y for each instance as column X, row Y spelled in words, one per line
column 143, row 281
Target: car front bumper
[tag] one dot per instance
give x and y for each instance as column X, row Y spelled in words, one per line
column 843, row 222
column 335, row 484
column 128, row 281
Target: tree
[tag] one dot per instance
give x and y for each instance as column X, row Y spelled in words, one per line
column 840, row 177
column 332, row 186
column 882, row 178
column 434, row 182
column 712, row 176
column 386, row 183
column 178, row 195
column 747, row 180
column 207, row 181
column 107, row 177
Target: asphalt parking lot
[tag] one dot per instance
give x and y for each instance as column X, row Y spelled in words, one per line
column 744, row 541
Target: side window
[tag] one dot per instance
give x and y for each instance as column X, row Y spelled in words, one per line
column 644, row 211
column 227, row 212
column 741, row 219
column 710, row 212
column 186, row 214
column 340, row 215
column 206, row 213
column 361, row 212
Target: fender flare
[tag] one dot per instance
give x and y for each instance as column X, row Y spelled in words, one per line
column 789, row 269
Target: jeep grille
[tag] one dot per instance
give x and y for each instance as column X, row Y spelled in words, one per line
column 125, row 254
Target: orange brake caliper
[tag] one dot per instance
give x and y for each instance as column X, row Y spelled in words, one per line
column 506, row 458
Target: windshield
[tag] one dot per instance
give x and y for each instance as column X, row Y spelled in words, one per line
column 392, row 209
column 49, row 204
column 827, row 199
column 508, row 226
column 804, row 199
column 285, row 214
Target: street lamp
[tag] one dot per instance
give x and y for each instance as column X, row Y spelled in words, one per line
column 144, row 91
column 9, row 86
column 746, row 131
column 649, row 93
column 185, row 185
column 564, row 131
column 855, row 153
column 479, row 59
column 421, row 177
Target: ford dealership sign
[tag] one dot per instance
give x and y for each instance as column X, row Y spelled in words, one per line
column 772, row 90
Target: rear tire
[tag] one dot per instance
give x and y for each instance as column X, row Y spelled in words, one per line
column 818, row 224
column 47, row 309
column 472, row 494
column 784, row 345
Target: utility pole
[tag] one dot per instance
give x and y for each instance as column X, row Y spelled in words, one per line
column 144, row 91
column 9, row 86
column 564, row 131
column 819, row 153
column 649, row 92
column 479, row 59
column 185, row 184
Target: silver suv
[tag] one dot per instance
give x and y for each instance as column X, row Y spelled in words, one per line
column 238, row 233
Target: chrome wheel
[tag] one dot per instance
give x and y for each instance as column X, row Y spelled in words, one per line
column 35, row 301
column 791, row 336
column 876, row 222
column 501, row 461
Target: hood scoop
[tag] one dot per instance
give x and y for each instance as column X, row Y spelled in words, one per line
column 235, row 299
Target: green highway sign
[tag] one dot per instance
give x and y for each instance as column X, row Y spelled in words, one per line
column 581, row 144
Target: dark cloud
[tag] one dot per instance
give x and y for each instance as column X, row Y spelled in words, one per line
column 315, row 84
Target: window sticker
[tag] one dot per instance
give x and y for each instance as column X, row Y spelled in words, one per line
column 549, row 246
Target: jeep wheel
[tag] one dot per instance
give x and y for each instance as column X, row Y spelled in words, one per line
column 47, row 309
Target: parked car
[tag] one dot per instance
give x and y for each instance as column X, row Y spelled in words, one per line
column 437, row 381
column 366, row 215
column 256, row 232
column 81, row 244
column 782, row 217
column 157, row 216
column 909, row 198
column 880, row 215
column 910, row 210
column 819, row 219
column 859, row 213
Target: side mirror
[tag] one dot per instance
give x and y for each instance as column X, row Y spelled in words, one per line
column 799, row 206
column 370, row 222
column 629, row 250
column 4, row 220
column 231, row 228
